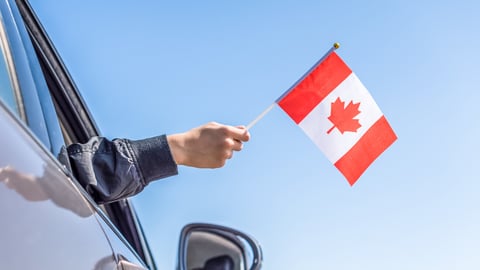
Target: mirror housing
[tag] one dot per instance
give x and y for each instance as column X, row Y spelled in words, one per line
column 214, row 247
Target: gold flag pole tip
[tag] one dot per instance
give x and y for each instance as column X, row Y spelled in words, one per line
column 336, row 45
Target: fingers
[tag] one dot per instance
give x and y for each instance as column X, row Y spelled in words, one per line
column 235, row 136
column 239, row 133
column 235, row 145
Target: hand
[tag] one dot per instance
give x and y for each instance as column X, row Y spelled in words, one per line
column 207, row 146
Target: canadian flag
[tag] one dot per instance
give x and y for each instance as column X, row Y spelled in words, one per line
column 338, row 113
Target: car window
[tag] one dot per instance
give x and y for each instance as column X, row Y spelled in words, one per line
column 7, row 90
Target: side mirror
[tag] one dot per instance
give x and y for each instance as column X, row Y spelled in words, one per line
column 213, row 247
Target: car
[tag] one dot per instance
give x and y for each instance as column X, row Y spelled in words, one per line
column 48, row 220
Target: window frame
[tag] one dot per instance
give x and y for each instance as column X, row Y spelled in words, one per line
column 12, row 75
column 28, row 101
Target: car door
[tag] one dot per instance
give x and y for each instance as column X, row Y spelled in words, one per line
column 68, row 120
column 47, row 221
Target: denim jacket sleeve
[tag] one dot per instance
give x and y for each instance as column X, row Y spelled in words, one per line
column 120, row 168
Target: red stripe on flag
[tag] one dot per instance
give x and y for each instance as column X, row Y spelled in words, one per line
column 378, row 138
column 322, row 80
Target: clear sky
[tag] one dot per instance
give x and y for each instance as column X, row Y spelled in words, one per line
column 151, row 67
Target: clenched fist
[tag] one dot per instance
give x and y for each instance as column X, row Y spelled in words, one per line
column 207, row 146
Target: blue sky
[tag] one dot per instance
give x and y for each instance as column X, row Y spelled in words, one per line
column 153, row 67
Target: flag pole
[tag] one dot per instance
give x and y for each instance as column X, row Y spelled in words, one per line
column 335, row 46
column 260, row 116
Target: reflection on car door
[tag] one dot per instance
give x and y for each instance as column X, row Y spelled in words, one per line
column 46, row 222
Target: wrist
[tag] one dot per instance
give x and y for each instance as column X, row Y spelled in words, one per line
column 175, row 142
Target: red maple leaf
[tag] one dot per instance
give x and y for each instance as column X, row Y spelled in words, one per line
column 342, row 117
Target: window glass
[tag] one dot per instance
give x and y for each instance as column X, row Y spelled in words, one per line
column 7, row 93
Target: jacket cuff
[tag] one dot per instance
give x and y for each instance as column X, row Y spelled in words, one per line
column 154, row 158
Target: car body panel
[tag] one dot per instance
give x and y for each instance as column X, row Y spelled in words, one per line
column 46, row 221
column 124, row 254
